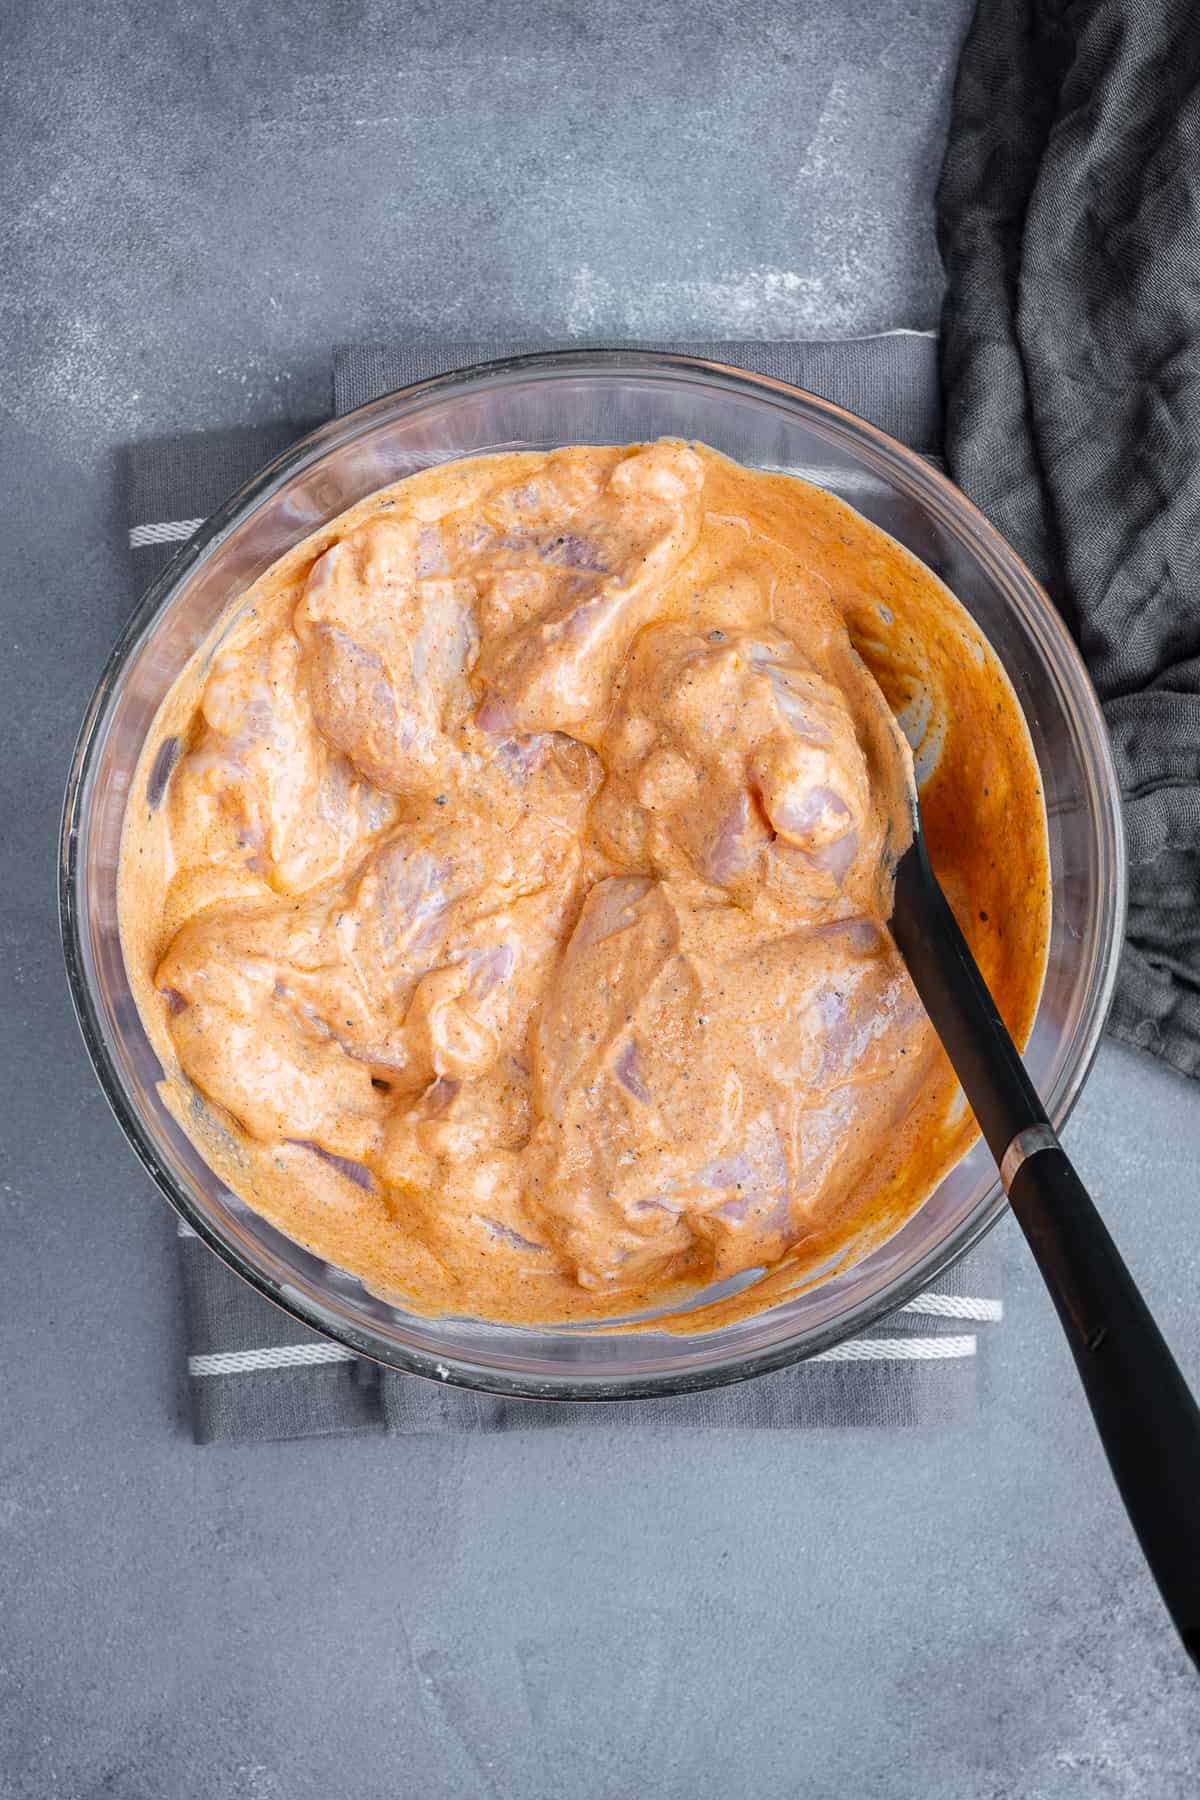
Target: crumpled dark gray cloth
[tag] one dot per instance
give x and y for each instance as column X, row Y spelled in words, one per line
column 1069, row 223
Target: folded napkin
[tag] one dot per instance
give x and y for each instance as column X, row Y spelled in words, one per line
column 1069, row 223
column 255, row 1373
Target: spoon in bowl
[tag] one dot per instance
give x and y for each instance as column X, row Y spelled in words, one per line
column 1148, row 1421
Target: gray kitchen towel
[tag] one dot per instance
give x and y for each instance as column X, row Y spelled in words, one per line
column 1069, row 223
column 254, row 1372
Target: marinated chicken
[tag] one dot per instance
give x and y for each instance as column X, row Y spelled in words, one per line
column 506, row 883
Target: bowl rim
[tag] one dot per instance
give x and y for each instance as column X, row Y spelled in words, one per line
column 603, row 1386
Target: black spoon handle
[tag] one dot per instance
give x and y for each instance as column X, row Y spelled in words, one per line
column 1148, row 1421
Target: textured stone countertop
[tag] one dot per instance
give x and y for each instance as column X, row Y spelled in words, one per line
column 195, row 203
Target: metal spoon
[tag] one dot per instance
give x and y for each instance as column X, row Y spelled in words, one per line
column 1148, row 1421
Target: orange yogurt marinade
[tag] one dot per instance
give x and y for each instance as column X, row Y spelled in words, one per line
column 504, row 886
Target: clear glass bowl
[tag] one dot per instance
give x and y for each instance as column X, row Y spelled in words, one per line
column 597, row 397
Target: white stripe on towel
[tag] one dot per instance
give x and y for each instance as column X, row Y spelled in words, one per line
column 933, row 1349
column 183, row 1229
column 957, row 1306
column 166, row 531
column 279, row 1356
column 869, row 337
column 296, row 1356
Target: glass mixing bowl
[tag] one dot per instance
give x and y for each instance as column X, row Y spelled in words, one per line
column 594, row 397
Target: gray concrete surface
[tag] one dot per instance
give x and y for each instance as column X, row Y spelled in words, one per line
column 195, row 201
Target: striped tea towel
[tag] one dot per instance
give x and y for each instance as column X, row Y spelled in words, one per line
column 255, row 1373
